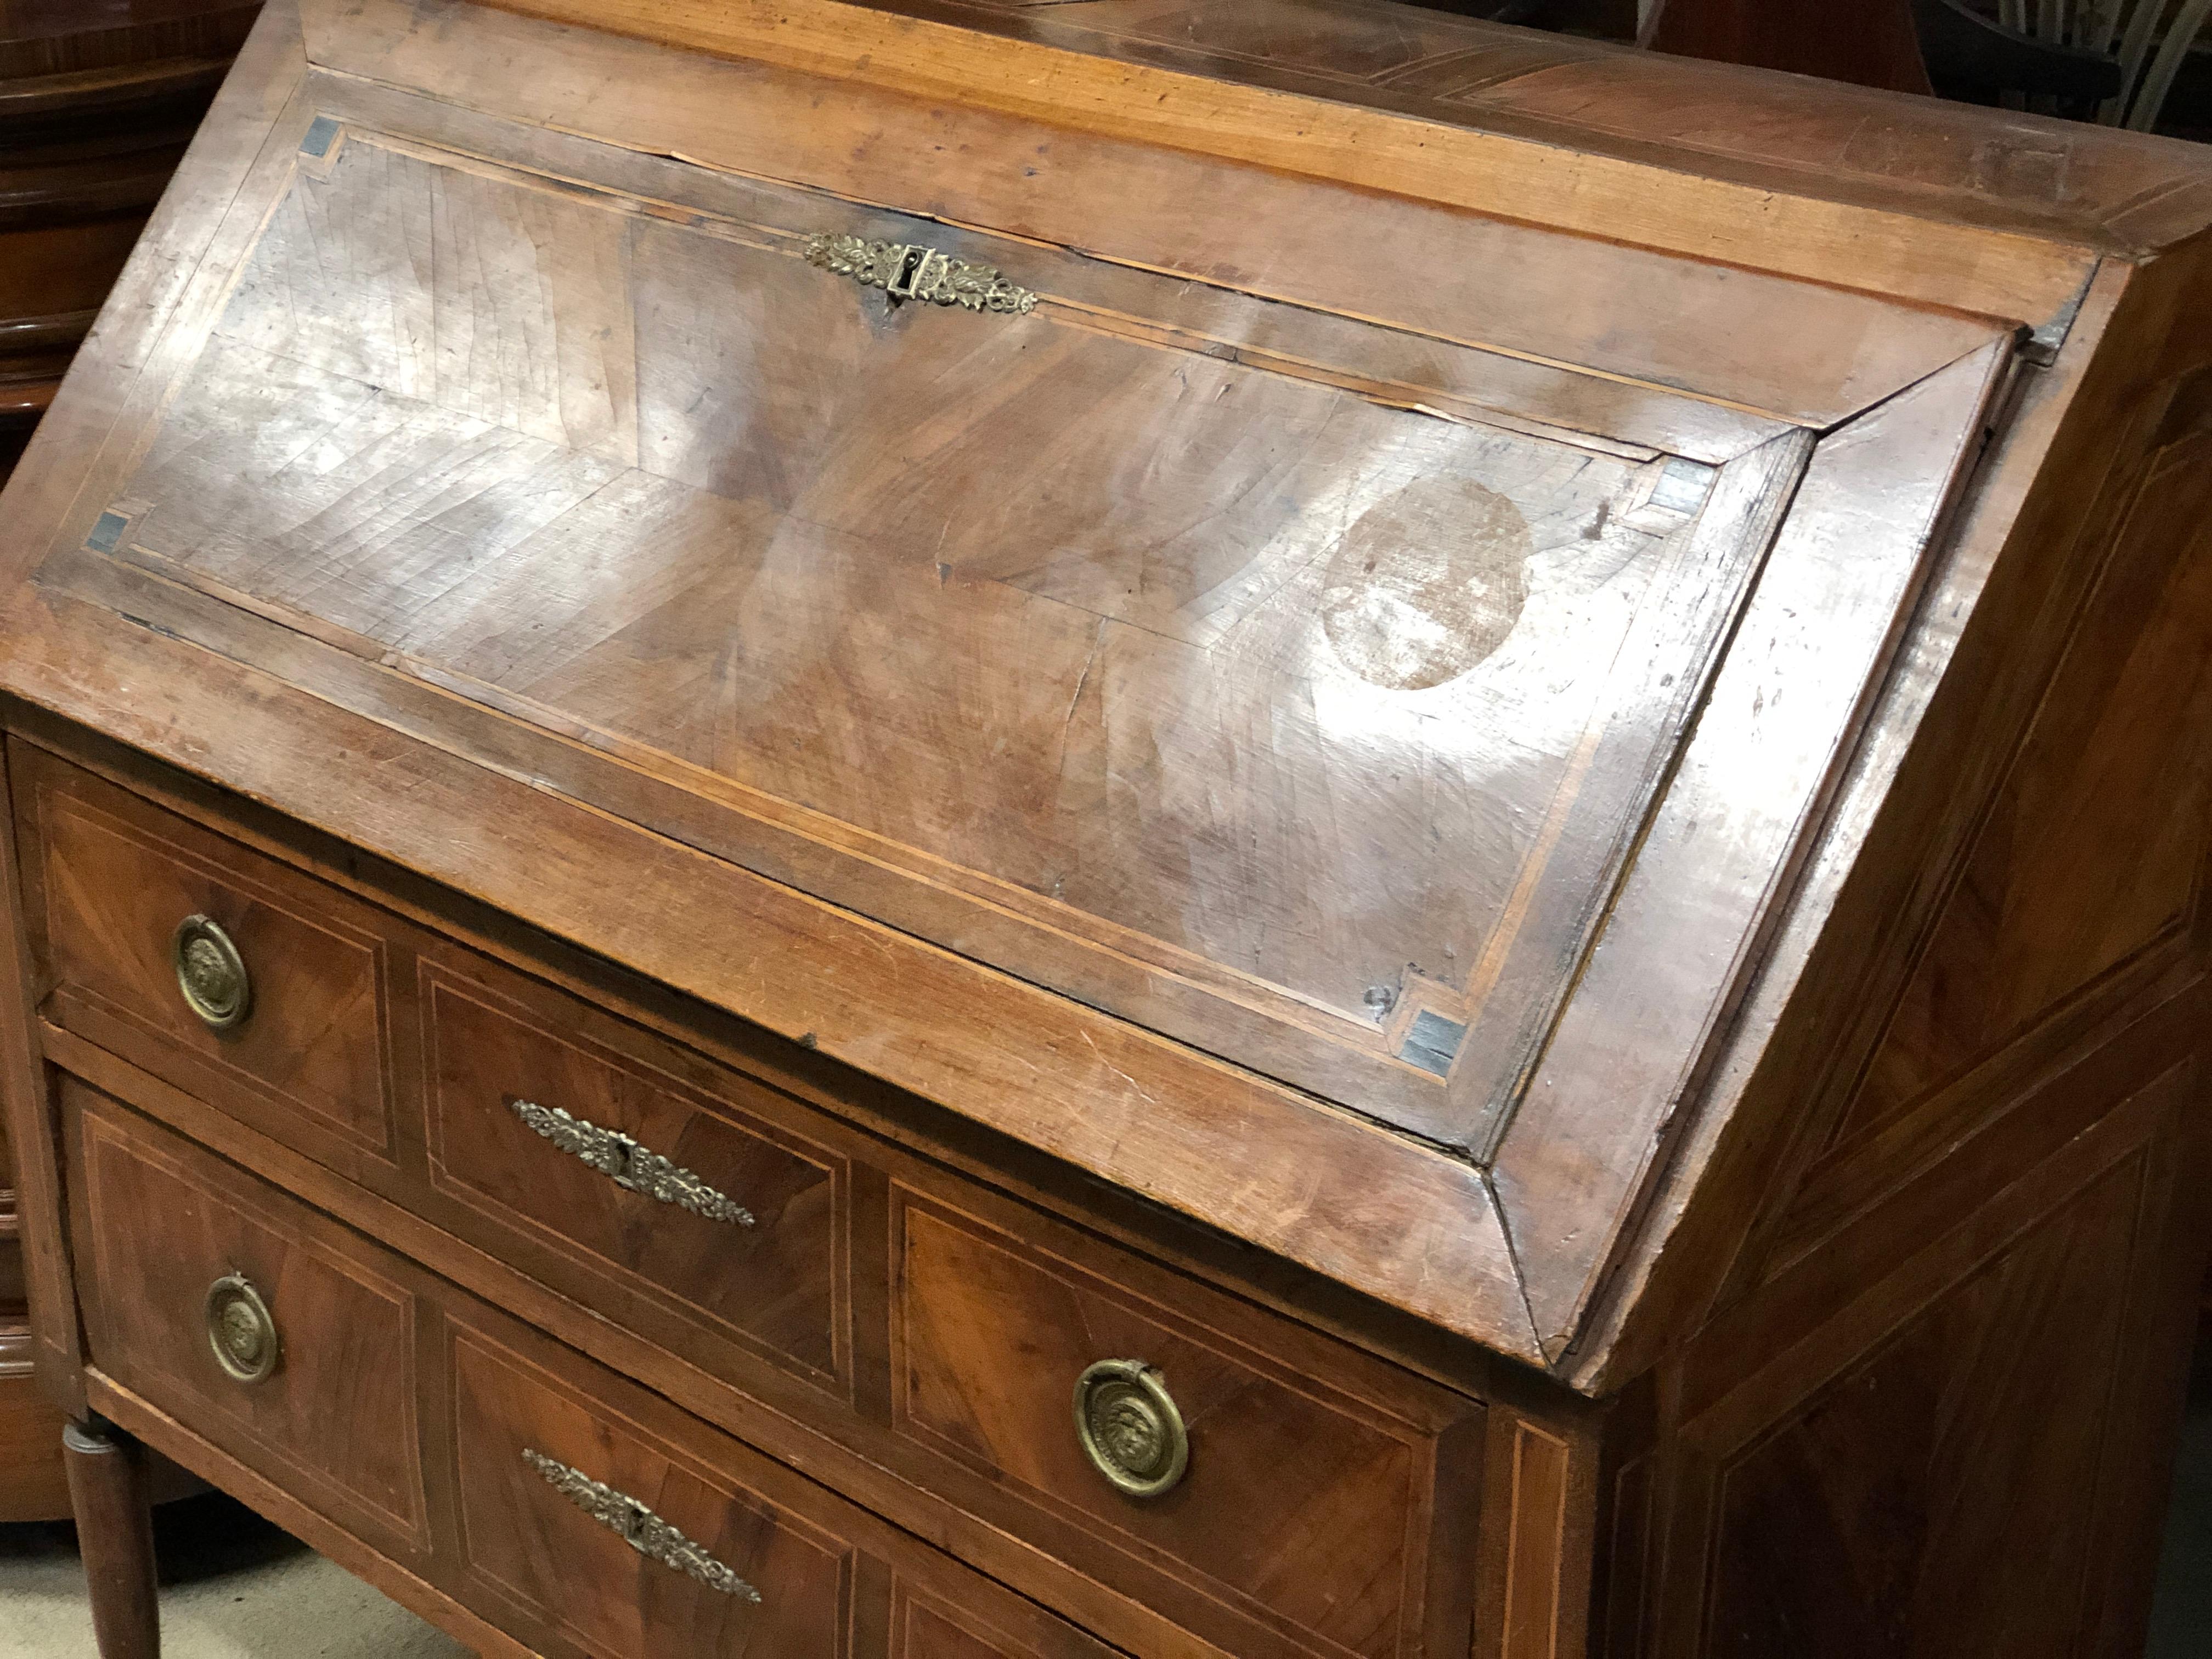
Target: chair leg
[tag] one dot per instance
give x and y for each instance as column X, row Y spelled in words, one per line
column 115, row 1532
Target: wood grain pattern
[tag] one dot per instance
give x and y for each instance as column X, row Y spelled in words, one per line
column 530, row 1543
column 1816, row 1558
column 95, row 107
column 486, row 1033
column 1815, row 354
column 923, row 1491
column 1535, row 1583
column 2084, row 782
column 1312, row 1510
column 1400, row 776
column 510, row 1562
column 1170, row 663
column 1679, row 934
column 53, row 1340
column 1888, row 1403
column 777, row 1279
column 111, row 881
column 338, row 1415
column 2006, row 274
column 33, row 1485
column 925, row 1626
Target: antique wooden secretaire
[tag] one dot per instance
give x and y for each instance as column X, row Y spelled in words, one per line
column 1216, row 828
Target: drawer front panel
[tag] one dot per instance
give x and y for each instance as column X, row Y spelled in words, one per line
column 335, row 1417
column 541, row 1466
column 548, row 1474
column 1301, row 1505
column 111, row 878
column 535, row 1127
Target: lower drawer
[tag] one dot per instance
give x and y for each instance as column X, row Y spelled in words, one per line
column 579, row 1513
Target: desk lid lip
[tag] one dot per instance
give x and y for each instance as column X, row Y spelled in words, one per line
column 1827, row 165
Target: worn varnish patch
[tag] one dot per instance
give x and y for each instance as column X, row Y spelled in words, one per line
column 1427, row 584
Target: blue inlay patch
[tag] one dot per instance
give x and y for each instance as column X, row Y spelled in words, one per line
column 106, row 533
column 1432, row 1043
column 317, row 141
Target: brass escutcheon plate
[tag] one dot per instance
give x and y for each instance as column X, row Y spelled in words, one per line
column 1130, row 1428
column 210, row 974
column 242, row 1331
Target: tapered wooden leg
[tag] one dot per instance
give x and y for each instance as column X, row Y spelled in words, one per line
column 115, row 1531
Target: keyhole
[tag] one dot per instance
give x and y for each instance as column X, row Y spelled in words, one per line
column 900, row 288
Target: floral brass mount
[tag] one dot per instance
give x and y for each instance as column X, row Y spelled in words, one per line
column 906, row 271
column 638, row 1526
column 633, row 1168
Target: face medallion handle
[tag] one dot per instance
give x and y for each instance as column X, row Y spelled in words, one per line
column 1130, row 1428
column 241, row 1330
column 210, row 974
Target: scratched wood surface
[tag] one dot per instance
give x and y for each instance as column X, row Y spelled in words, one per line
column 1336, row 712
column 1387, row 798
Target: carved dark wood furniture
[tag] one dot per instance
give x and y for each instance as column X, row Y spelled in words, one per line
column 1191, row 830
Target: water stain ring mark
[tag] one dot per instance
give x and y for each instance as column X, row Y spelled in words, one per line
column 1426, row 583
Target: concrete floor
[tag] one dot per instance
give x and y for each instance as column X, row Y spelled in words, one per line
column 234, row 1587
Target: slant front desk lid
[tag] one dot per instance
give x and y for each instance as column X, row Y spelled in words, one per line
column 1305, row 701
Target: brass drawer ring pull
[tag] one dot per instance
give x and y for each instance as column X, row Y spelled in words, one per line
column 634, row 1168
column 1130, row 1428
column 210, row 974
column 638, row 1526
column 242, row 1331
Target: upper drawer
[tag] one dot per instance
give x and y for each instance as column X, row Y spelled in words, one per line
column 110, row 881
column 624, row 1184
column 1326, row 1497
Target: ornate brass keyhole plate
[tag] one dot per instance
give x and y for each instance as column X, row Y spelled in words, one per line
column 242, row 1331
column 210, row 974
column 1130, row 1428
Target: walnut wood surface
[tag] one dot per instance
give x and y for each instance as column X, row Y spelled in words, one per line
column 1365, row 974
column 889, row 754
column 106, row 890
column 476, row 1388
column 1397, row 1458
column 115, row 1532
column 1121, row 737
column 1797, row 349
column 528, row 1541
column 776, row 1279
column 34, row 1485
column 986, row 1337
column 1234, row 94
column 337, row 1413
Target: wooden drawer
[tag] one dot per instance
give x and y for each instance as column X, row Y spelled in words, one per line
column 546, row 1443
column 1325, row 1496
column 627, row 1183
column 158, row 1225
column 109, row 877
column 705, row 1562
column 484, row 1456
